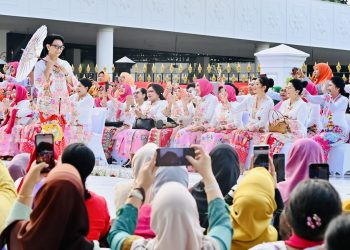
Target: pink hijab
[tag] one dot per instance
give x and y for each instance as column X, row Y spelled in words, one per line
column 15, row 67
column 128, row 91
column 21, row 94
column 303, row 153
column 231, row 93
column 205, row 86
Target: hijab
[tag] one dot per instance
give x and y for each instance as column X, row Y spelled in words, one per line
column 17, row 166
column 128, row 79
column 231, row 93
column 128, row 91
column 252, row 210
column 302, row 154
column 225, row 164
column 59, row 219
column 205, row 86
column 325, row 72
column 21, row 95
column 14, row 65
column 142, row 156
column 174, row 219
column 162, row 176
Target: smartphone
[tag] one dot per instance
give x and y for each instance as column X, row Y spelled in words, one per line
column 319, row 171
column 279, row 162
column 261, row 156
column 44, row 146
column 170, row 157
column 107, row 86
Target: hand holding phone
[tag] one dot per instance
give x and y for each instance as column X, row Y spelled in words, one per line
column 201, row 163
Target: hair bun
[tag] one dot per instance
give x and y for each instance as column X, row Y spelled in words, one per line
column 271, row 82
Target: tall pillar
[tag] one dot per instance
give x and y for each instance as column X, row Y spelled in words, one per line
column 3, row 44
column 104, row 49
column 259, row 47
column 74, row 57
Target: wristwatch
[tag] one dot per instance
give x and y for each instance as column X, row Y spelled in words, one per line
column 138, row 193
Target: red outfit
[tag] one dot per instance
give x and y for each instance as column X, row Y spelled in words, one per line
column 99, row 220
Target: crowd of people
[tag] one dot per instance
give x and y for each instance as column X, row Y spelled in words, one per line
column 232, row 207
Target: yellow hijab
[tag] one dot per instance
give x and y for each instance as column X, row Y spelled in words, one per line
column 346, row 206
column 252, row 210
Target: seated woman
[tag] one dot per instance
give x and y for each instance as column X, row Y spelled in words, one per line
column 323, row 74
column 312, row 206
column 335, row 127
column 174, row 216
column 225, row 120
column 203, row 117
column 284, row 96
column 259, row 107
column 180, row 110
column 130, row 140
column 301, row 155
column 294, row 110
column 17, row 113
column 82, row 104
column 116, row 106
column 58, row 212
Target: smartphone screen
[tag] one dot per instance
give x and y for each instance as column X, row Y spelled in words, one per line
column 279, row 163
column 261, row 156
column 107, row 86
column 169, row 157
column 319, row 171
column 44, row 146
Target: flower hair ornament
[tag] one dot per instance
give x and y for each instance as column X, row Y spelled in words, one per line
column 314, row 221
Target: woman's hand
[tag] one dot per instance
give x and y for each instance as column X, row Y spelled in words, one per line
column 201, row 163
column 145, row 178
column 34, row 175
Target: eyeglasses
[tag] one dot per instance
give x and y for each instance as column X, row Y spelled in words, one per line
column 58, row 46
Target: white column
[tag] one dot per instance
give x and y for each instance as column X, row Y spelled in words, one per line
column 104, row 48
column 3, row 44
column 259, row 47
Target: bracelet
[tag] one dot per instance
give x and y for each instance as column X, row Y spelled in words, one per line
column 211, row 187
column 138, row 193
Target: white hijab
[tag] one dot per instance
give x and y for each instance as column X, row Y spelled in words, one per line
column 175, row 222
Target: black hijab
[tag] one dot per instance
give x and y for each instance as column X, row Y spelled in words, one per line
column 225, row 164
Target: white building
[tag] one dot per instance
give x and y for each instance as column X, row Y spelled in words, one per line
column 236, row 28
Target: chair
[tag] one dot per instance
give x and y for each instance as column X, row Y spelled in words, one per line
column 339, row 158
column 98, row 118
